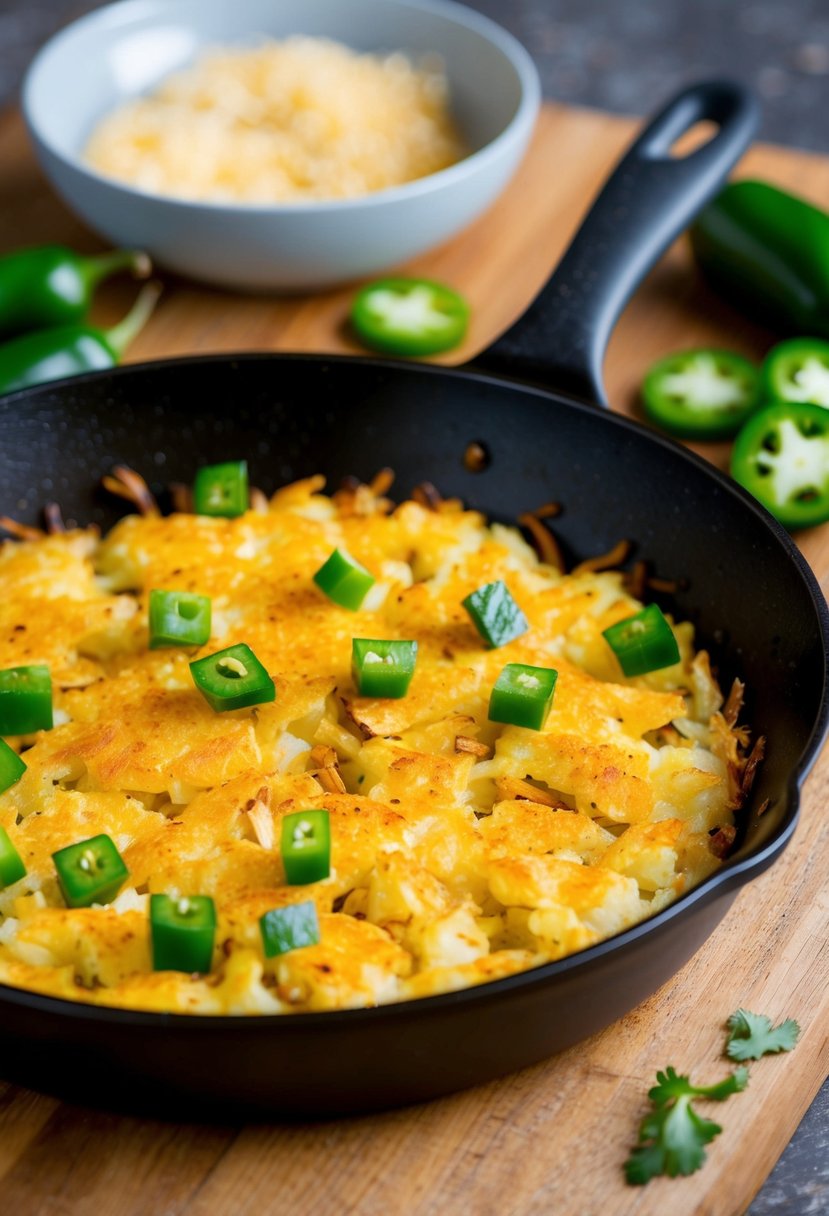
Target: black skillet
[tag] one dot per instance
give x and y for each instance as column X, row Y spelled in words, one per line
column 747, row 590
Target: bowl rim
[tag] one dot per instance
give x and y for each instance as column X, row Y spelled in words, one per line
column 122, row 12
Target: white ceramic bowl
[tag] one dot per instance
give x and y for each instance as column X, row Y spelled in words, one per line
column 125, row 49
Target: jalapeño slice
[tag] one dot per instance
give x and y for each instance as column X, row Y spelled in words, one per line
column 90, row 872
column 12, row 868
column 182, row 931
column 25, row 700
column 306, row 846
column 382, row 668
column 781, row 456
column 179, row 618
column 409, row 316
column 523, row 695
column 232, row 679
column 797, row 370
column 495, row 614
column 344, row 580
column 221, row 489
column 701, row 394
column 12, row 767
column 643, row 642
column 289, row 928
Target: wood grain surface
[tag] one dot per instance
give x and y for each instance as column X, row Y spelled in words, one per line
column 549, row 1140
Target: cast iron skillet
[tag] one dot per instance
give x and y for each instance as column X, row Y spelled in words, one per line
column 749, row 593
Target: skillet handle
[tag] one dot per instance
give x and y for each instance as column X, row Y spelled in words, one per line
column 650, row 198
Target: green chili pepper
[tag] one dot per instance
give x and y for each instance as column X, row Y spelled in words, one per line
column 232, row 679
column 12, row 767
column 495, row 614
column 643, row 642
column 179, row 618
column 25, row 700
column 289, row 928
column 768, row 252
column 306, row 846
column 523, row 695
column 68, row 350
column 781, row 456
column 409, row 316
column 50, row 286
column 222, row 489
column 12, row 868
column 343, row 580
column 382, row 668
column 182, row 931
column 90, row 872
column 700, row 394
column 797, row 370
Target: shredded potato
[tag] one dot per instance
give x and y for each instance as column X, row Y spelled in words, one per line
column 302, row 119
column 462, row 850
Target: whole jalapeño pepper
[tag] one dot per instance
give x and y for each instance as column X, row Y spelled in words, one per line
column 49, row 286
column 767, row 251
column 68, row 350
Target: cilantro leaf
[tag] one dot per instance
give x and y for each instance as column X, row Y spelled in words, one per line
column 752, row 1035
column 673, row 1135
column 670, row 1085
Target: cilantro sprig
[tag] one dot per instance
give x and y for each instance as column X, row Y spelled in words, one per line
column 672, row 1137
column 752, row 1035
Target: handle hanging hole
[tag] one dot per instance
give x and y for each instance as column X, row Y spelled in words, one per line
column 696, row 137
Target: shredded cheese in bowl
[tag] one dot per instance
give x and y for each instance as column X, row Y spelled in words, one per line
column 289, row 121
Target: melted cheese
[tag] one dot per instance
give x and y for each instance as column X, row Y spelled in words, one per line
column 453, row 863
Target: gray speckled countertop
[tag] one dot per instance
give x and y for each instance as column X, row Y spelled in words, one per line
column 628, row 57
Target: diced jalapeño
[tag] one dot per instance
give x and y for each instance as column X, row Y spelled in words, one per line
column 382, row 668
column 344, row 580
column 523, row 695
column 222, row 489
column 289, row 928
column 305, row 845
column 25, row 700
column 12, row 868
column 179, row 618
column 90, row 872
column 182, row 930
column 12, row 767
column 643, row 642
column 232, row 679
column 495, row 614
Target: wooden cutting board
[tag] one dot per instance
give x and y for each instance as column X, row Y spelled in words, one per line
column 552, row 1139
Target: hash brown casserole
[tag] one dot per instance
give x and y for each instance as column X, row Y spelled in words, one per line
column 462, row 850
